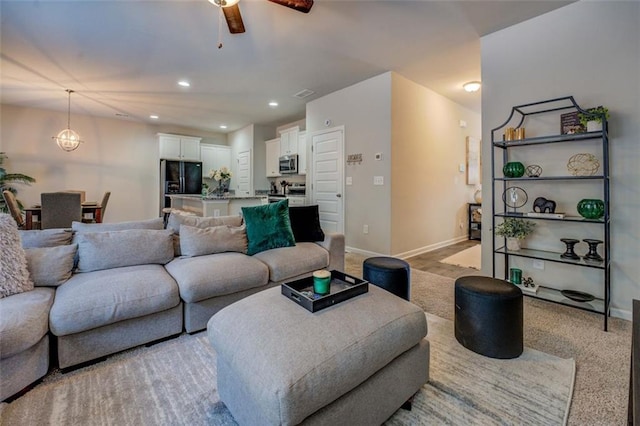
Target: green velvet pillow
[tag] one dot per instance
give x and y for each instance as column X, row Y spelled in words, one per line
column 268, row 227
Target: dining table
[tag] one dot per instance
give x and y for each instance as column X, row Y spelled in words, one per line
column 32, row 214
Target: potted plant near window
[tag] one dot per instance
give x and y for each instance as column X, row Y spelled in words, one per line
column 6, row 179
column 592, row 118
column 515, row 230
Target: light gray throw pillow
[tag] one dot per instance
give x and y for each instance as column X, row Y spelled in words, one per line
column 45, row 237
column 106, row 250
column 50, row 266
column 175, row 220
column 215, row 239
column 156, row 223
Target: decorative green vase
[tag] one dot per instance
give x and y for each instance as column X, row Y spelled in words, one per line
column 591, row 208
column 513, row 169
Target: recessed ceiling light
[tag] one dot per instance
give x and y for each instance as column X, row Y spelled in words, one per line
column 223, row 126
column 184, row 83
column 153, row 117
column 273, row 104
column 472, row 86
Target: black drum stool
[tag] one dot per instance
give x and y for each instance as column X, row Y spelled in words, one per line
column 388, row 273
column 489, row 316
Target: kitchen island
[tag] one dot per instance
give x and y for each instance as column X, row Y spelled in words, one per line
column 228, row 205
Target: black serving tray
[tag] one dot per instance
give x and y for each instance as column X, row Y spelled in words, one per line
column 342, row 287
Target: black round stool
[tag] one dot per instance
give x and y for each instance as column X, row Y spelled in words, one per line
column 489, row 316
column 389, row 273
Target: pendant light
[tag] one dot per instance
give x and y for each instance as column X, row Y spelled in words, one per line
column 68, row 139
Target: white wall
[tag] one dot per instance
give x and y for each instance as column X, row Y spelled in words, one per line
column 118, row 156
column 429, row 194
column 252, row 138
column 365, row 111
column 590, row 50
column 417, row 132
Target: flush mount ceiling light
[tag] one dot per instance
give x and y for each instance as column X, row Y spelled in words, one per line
column 184, row 83
column 67, row 139
column 154, row 117
column 472, row 86
column 273, row 104
column 222, row 126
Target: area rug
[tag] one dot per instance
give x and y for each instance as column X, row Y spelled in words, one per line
column 174, row 383
column 468, row 258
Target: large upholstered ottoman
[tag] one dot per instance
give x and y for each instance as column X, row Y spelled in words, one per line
column 354, row 363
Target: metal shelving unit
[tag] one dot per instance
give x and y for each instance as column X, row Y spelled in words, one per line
column 499, row 208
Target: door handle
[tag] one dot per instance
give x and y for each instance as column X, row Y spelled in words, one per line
column 339, row 195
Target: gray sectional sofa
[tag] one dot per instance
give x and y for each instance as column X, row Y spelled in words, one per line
column 110, row 287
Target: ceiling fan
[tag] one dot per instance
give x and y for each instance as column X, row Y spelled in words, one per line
column 234, row 19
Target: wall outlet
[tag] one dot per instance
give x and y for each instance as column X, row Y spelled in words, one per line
column 365, row 229
column 378, row 180
column 538, row 264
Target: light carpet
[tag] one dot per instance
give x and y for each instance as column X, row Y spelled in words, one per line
column 468, row 258
column 174, row 383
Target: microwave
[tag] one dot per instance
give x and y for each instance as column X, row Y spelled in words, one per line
column 288, row 164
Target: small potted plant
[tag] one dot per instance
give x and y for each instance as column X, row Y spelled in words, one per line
column 592, row 118
column 515, row 230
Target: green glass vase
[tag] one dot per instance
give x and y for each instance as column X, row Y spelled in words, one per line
column 513, row 169
column 591, row 208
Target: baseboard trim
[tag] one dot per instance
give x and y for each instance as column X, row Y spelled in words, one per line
column 409, row 253
column 622, row 314
column 431, row 247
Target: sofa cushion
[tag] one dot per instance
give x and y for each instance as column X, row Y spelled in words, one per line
column 203, row 277
column 305, row 223
column 268, row 226
column 288, row 262
column 51, row 266
column 45, row 237
column 24, row 320
column 94, row 299
column 14, row 275
column 216, row 239
column 157, row 224
column 105, row 250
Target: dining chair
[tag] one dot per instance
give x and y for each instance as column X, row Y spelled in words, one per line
column 14, row 209
column 103, row 204
column 103, row 207
column 83, row 194
column 59, row 209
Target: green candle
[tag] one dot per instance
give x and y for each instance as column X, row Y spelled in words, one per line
column 321, row 282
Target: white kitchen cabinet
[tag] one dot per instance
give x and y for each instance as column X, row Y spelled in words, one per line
column 214, row 157
column 289, row 141
column 302, row 153
column 272, row 156
column 178, row 147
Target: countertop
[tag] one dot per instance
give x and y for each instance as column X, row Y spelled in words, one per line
column 216, row 198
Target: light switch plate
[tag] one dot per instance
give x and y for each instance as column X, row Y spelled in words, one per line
column 349, row 180
column 378, row 180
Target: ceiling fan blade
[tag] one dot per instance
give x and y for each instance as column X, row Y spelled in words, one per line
column 234, row 19
column 303, row 6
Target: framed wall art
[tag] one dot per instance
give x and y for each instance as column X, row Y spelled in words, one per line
column 474, row 162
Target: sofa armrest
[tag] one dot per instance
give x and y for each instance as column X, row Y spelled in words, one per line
column 334, row 244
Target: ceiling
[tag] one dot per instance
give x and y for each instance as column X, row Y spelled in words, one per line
column 124, row 58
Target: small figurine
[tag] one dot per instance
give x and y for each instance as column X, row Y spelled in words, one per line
column 542, row 205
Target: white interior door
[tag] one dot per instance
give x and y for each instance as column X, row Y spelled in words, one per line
column 244, row 177
column 327, row 182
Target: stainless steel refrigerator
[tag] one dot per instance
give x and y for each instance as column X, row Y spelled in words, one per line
column 179, row 177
